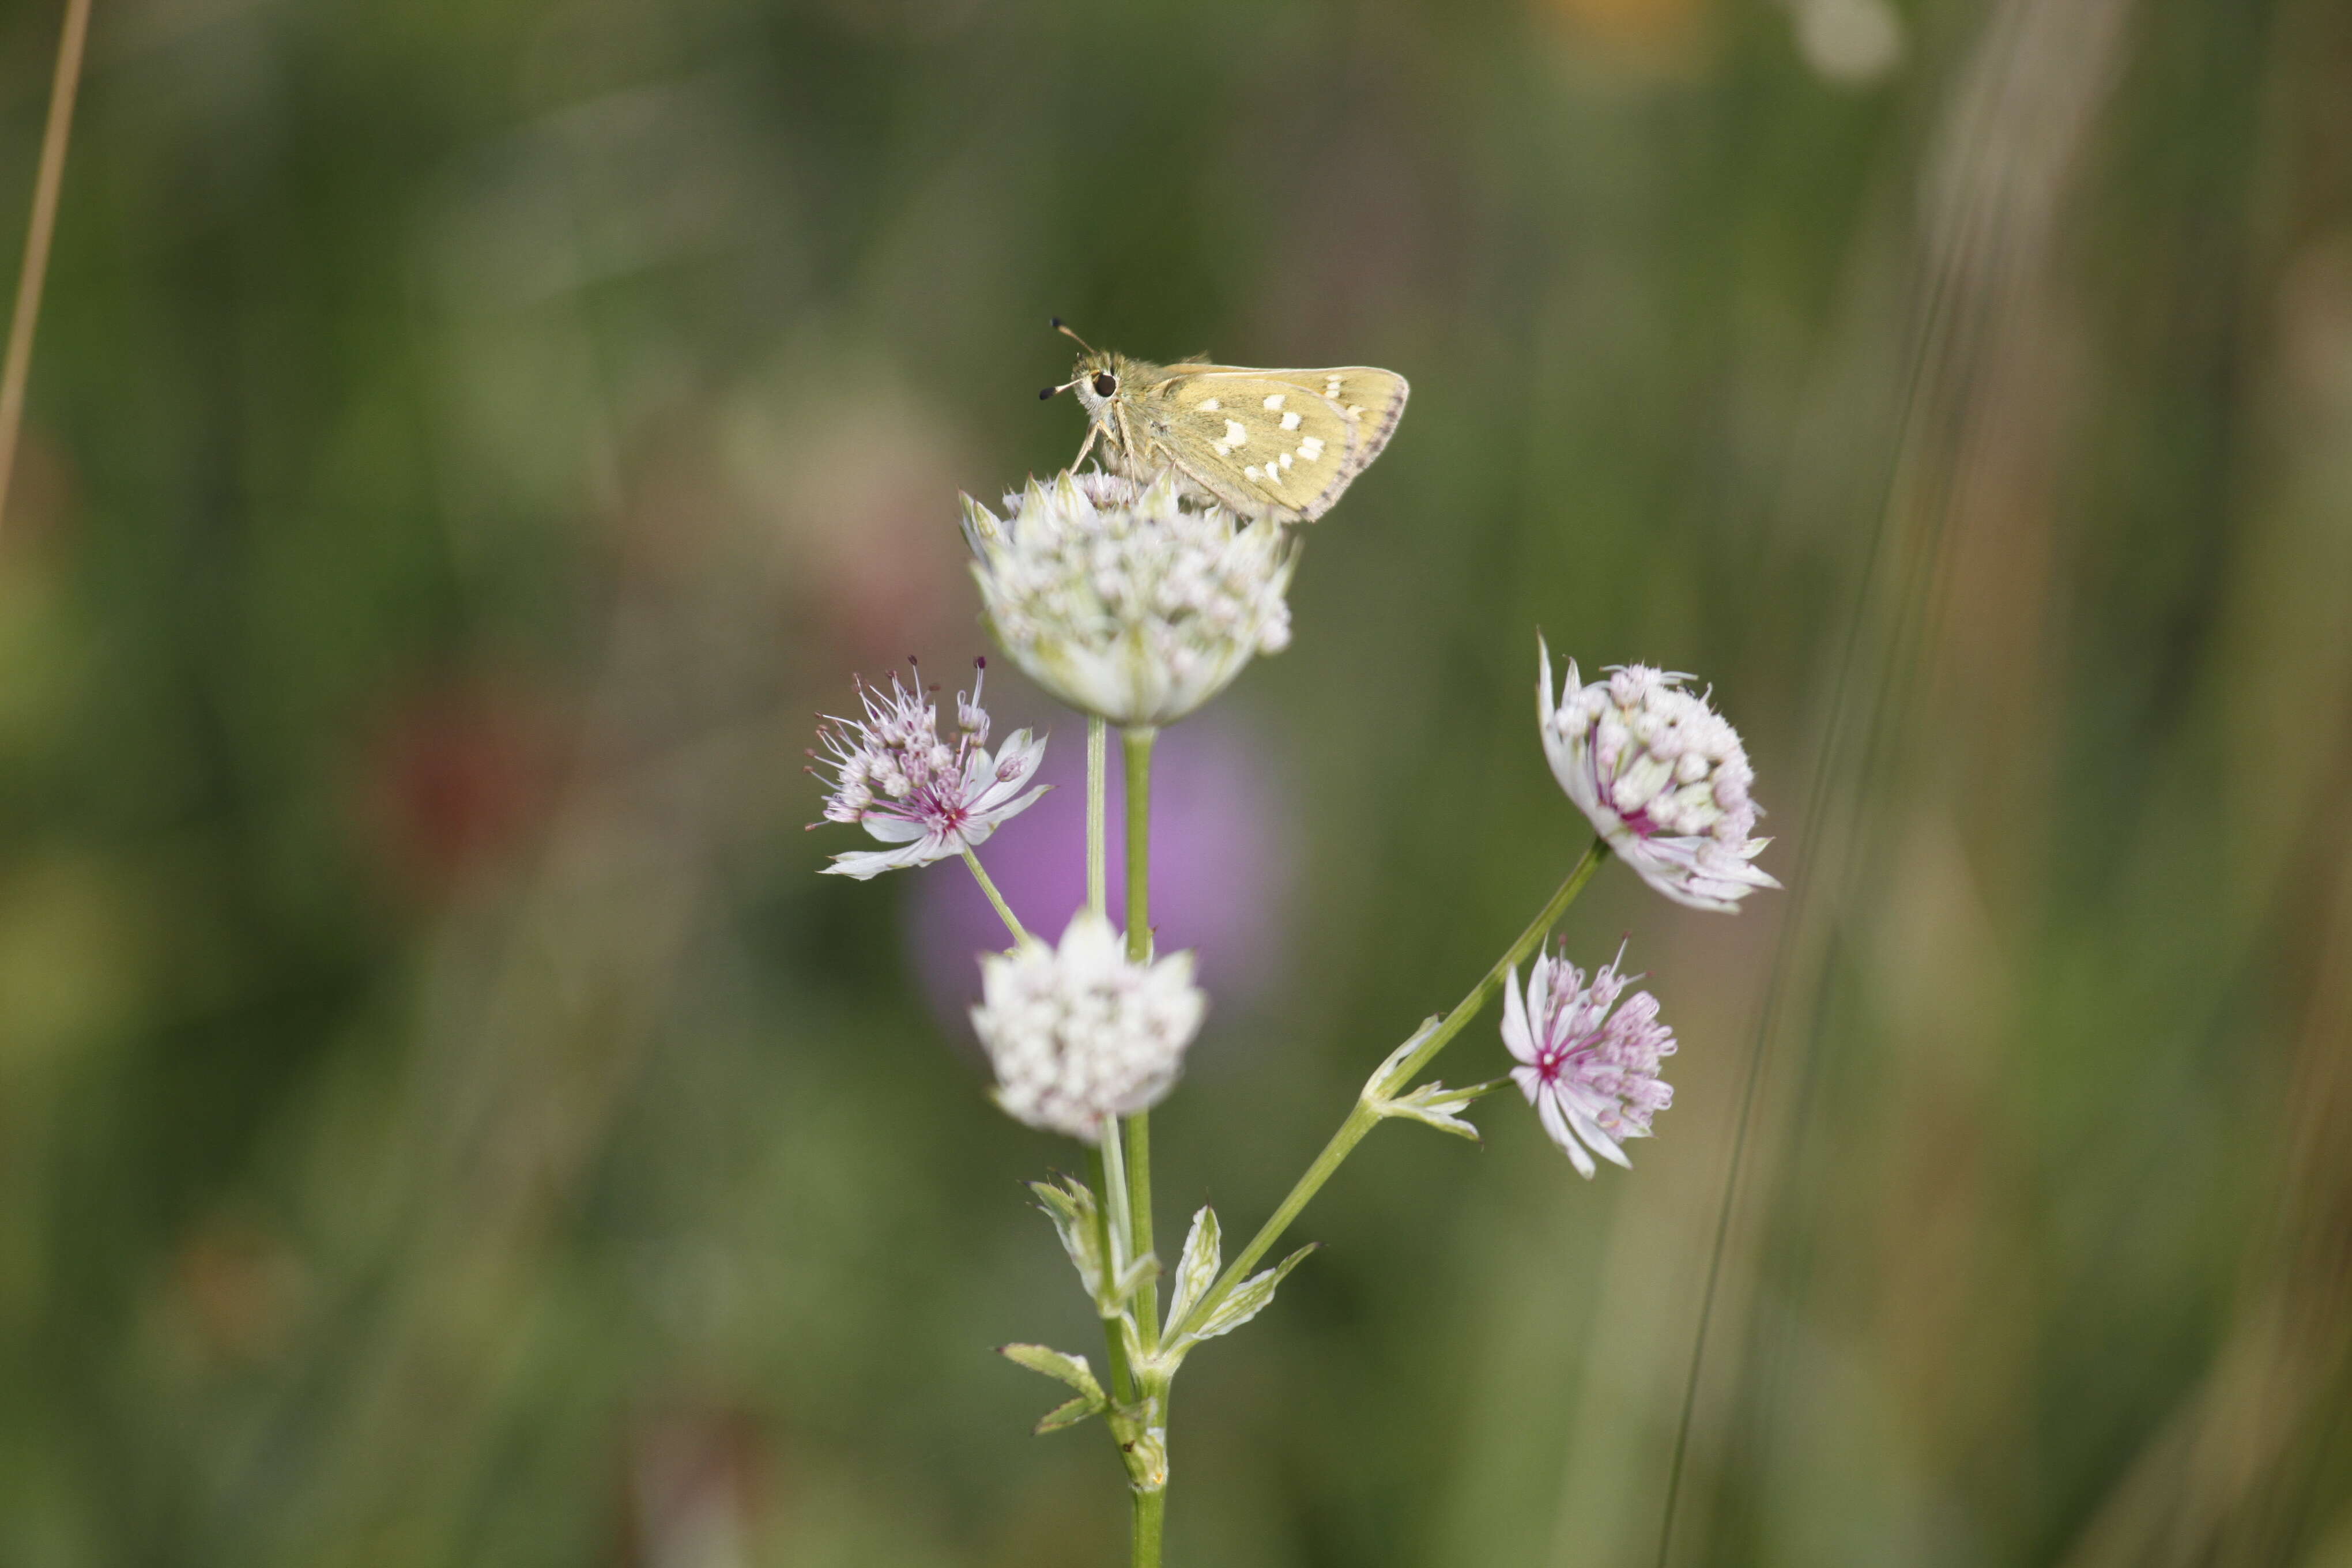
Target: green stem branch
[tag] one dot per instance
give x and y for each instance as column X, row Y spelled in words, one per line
column 1149, row 1509
column 1098, row 791
column 1110, row 1171
column 1138, row 746
column 1003, row 910
column 1362, row 1119
column 1122, row 1384
column 1137, row 757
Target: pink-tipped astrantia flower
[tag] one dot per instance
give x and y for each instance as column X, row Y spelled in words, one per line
column 1082, row 1032
column 1590, row 1072
column 896, row 777
column 1663, row 777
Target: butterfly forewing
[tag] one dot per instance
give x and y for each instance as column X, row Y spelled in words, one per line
column 1286, row 442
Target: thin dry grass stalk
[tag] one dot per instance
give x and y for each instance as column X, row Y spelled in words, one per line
column 30, row 278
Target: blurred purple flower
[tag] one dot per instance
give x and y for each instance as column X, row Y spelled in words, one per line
column 1220, row 868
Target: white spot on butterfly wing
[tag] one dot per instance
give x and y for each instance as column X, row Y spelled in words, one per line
column 1331, row 386
column 1275, row 403
column 1209, row 406
column 1235, row 437
column 1311, row 447
column 1289, row 420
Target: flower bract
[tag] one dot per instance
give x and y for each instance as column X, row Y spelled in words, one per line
column 1661, row 776
column 1082, row 1032
column 1589, row 1065
column 1128, row 601
column 896, row 777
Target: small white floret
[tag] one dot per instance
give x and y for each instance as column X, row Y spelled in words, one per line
column 1128, row 601
column 1080, row 1034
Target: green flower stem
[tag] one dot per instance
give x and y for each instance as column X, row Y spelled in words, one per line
column 1148, row 1510
column 1115, row 1177
column 1109, row 1166
column 1097, row 794
column 1003, row 910
column 1115, row 1193
column 1137, row 756
column 1138, row 744
column 1139, row 1196
column 1362, row 1118
column 1122, row 1384
column 1151, row 1509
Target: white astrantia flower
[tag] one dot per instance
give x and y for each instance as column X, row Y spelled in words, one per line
column 1663, row 777
column 893, row 776
column 1128, row 601
column 1082, row 1032
column 1591, row 1073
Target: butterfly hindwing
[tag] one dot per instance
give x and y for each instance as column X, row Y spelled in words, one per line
column 1286, row 442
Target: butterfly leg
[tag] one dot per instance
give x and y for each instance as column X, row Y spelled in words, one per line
column 1138, row 453
column 1088, row 446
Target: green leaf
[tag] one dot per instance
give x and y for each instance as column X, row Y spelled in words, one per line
column 1068, row 1415
column 1376, row 1088
column 1435, row 1105
column 1197, row 1270
column 1056, row 1364
column 1070, row 1204
column 1140, row 1272
column 1248, row 1298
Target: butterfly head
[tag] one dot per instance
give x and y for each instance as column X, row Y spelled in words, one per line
column 1099, row 375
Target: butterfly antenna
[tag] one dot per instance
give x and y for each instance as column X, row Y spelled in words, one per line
column 1066, row 386
column 1063, row 327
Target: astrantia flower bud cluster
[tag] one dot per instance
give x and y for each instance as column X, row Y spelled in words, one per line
column 1130, row 602
column 1082, row 1033
column 1592, row 1073
column 1663, row 777
column 894, row 775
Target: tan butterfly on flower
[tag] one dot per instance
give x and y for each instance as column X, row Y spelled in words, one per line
column 1284, row 444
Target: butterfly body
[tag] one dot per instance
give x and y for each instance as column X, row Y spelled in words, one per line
column 1284, row 444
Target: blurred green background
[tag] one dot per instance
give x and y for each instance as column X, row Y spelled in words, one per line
column 443, row 1119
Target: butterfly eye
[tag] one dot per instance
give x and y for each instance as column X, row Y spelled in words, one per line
column 1105, row 384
